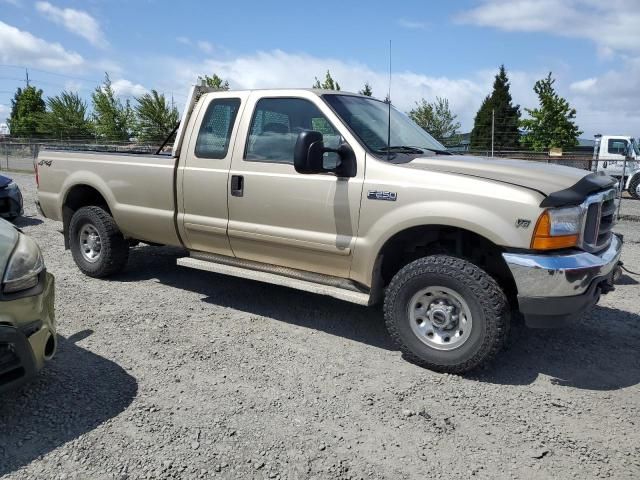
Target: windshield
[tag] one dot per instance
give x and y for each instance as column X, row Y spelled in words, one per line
column 368, row 118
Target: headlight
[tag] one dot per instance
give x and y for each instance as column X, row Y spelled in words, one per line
column 558, row 228
column 24, row 266
column 12, row 186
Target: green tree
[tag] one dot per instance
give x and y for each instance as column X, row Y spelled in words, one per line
column 506, row 116
column 67, row 116
column 155, row 118
column 113, row 120
column 328, row 84
column 216, row 82
column 27, row 112
column 552, row 124
column 366, row 91
column 436, row 118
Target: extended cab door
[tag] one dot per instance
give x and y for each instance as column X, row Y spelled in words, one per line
column 281, row 217
column 203, row 174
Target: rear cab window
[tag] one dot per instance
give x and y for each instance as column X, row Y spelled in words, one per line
column 214, row 135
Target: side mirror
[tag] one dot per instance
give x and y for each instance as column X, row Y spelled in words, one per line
column 308, row 156
column 308, row 152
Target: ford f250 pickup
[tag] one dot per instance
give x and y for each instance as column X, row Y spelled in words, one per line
column 342, row 195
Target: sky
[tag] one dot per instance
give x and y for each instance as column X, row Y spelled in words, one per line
column 449, row 49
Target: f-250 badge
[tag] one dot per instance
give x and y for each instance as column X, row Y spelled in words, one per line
column 382, row 195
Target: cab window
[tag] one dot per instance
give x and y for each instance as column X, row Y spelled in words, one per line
column 215, row 131
column 619, row 147
column 275, row 127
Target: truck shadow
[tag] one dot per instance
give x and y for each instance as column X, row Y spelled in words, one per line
column 75, row 393
column 588, row 356
column 599, row 353
column 343, row 319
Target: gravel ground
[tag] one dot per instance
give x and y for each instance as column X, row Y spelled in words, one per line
column 164, row 372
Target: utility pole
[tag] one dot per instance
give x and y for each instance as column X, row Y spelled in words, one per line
column 27, row 76
column 493, row 127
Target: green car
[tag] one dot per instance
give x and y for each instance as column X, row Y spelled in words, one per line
column 27, row 319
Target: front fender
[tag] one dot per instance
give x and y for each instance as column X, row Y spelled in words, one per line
column 496, row 224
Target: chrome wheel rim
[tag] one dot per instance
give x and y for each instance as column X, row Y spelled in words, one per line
column 90, row 243
column 440, row 318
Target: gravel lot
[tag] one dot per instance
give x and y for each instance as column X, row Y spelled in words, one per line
column 164, row 372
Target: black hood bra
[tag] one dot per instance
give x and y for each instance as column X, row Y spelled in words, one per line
column 576, row 194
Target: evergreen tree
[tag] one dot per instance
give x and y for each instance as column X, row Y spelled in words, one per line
column 216, row 82
column 155, row 118
column 436, row 118
column 552, row 124
column 366, row 91
column 67, row 117
column 506, row 116
column 113, row 120
column 328, row 84
column 27, row 112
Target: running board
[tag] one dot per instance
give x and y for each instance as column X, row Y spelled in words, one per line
column 345, row 294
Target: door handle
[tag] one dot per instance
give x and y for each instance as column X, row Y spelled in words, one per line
column 237, row 185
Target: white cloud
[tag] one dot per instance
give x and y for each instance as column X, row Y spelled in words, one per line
column 584, row 86
column 4, row 112
column 184, row 40
column 126, row 88
column 277, row 69
column 20, row 47
column 611, row 25
column 76, row 21
column 607, row 102
column 412, row 24
column 15, row 3
column 205, row 46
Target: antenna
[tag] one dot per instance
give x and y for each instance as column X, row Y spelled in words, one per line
column 389, row 109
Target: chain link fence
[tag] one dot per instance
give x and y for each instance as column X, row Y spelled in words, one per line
column 19, row 155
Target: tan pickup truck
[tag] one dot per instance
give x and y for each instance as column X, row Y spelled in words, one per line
column 343, row 195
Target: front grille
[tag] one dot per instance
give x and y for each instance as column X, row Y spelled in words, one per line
column 600, row 220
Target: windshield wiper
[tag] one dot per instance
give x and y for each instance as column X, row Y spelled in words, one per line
column 411, row 149
column 400, row 149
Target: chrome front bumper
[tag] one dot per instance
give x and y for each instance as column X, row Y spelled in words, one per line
column 554, row 288
column 561, row 275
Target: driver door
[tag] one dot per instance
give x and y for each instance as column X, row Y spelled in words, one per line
column 281, row 217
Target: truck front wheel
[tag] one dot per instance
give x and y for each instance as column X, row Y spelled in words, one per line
column 634, row 187
column 446, row 314
column 97, row 245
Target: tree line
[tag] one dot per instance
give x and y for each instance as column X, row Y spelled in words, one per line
column 152, row 117
column 551, row 124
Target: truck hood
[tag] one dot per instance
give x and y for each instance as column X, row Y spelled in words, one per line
column 542, row 177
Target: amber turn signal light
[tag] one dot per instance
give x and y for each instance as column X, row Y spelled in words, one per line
column 542, row 239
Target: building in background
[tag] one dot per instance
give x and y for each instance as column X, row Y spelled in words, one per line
column 4, row 130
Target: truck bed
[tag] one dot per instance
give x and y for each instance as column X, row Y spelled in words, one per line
column 137, row 187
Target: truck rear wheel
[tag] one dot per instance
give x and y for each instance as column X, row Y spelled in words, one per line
column 446, row 314
column 97, row 245
column 634, row 187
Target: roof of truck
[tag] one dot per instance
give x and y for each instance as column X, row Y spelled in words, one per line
column 317, row 91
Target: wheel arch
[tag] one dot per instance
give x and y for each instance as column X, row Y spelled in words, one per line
column 415, row 242
column 77, row 196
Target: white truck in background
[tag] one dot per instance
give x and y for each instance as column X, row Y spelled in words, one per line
column 610, row 153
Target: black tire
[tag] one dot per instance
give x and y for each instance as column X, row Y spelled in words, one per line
column 114, row 249
column 633, row 187
column 486, row 303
